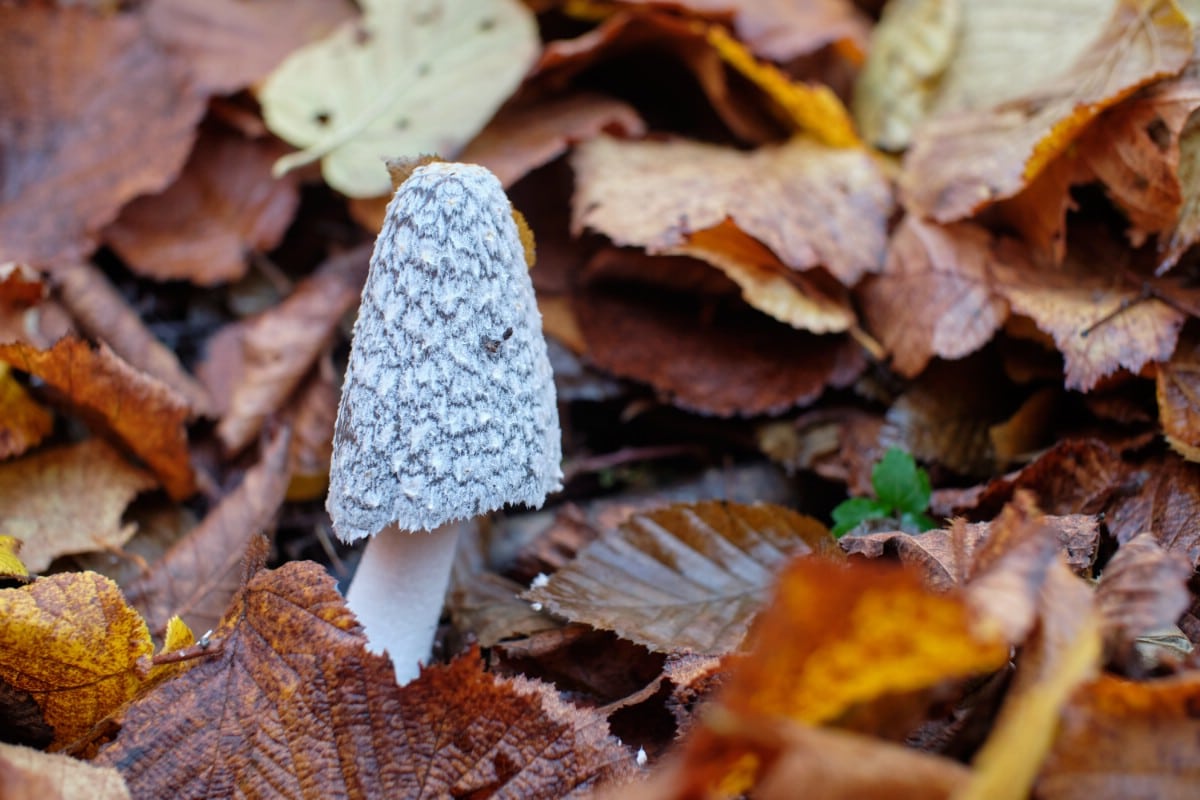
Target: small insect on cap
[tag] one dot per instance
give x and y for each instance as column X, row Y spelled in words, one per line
column 448, row 407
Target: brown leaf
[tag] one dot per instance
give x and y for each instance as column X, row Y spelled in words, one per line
column 230, row 44
column 1119, row 739
column 961, row 161
column 106, row 316
column 737, row 363
column 1164, row 499
column 145, row 414
column 311, row 416
column 20, row 286
column 294, row 687
column 23, row 423
column 839, row 444
column 225, row 205
column 1178, row 385
column 23, row 720
column 1186, row 231
column 113, row 139
column 936, row 295
column 520, row 139
column 687, row 577
column 200, row 573
column 1143, row 591
column 26, row 774
column 812, row 205
column 69, row 500
column 258, row 363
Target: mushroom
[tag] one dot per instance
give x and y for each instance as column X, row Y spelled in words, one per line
column 447, row 409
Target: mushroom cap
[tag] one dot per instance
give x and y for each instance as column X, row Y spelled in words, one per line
column 448, row 406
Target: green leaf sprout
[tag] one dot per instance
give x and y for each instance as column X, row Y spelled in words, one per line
column 902, row 493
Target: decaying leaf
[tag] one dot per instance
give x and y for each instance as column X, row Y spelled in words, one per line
column 394, row 82
column 147, row 416
column 812, row 205
column 28, row 774
column 224, row 206
column 74, row 644
column 1178, row 385
column 294, row 687
column 1162, row 496
column 69, row 500
column 311, row 416
column 684, row 578
column 72, row 183
column 23, row 422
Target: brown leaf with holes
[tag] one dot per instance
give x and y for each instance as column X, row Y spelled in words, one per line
column 69, row 500
column 201, row 572
column 519, row 139
column 688, row 577
column 811, row 204
column 27, row 774
column 229, row 44
column 145, row 414
column 225, row 205
column 255, row 365
column 23, row 422
column 732, row 363
column 290, row 683
column 961, row 161
column 113, row 139
column 1161, row 496
column 1178, row 389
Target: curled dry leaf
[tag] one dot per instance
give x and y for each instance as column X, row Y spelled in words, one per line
column 258, row 363
column 961, row 161
column 1119, row 739
column 936, row 296
column 115, row 139
column 1186, row 230
column 224, row 205
column 196, row 578
column 1178, row 389
column 1162, row 496
column 839, row 444
column 144, row 413
column 106, row 316
column 229, row 45
column 738, row 363
column 74, row 644
column 684, row 578
column 522, row 138
column 23, row 423
column 69, row 500
column 28, row 774
column 294, row 686
column 812, row 205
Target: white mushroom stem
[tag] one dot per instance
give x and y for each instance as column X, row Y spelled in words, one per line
column 398, row 592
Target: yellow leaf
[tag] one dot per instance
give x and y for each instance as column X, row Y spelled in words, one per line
column 23, row 423
column 10, row 563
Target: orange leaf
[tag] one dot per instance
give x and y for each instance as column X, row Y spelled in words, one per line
column 23, row 423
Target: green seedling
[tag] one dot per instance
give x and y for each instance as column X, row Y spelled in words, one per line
column 902, row 493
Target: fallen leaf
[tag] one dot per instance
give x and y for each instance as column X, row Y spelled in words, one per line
column 936, row 294
column 106, row 316
column 311, row 416
column 24, row 723
column 293, row 685
column 961, row 161
column 400, row 80
column 1178, row 389
column 1186, row 230
column 199, row 574
column 28, row 774
column 1162, row 496
column 145, row 414
column 519, row 139
column 1119, row 739
column 738, row 363
column 114, row 139
column 11, row 568
column 224, row 206
column 812, row 205
column 69, row 500
column 229, row 44
column 21, row 286
column 73, row 643
column 684, row 578
column 23, row 423
column 490, row 608
column 839, row 444
column 255, row 365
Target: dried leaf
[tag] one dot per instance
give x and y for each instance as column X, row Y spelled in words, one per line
column 200, row 573
column 311, row 416
column 1178, row 384
column 114, row 139
column 73, row 643
column 737, row 363
column 147, row 416
column 521, row 139
column 294, row 687
column 1186, row 231
column 812, row 205
column 1164, row 499
column 962, row 161
column 230, row 44
column 23, row 423
column 69, row 500
column 400, row 80
column 223, row 206
column 688, row 577
column 11, row 568
column 27, row 774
